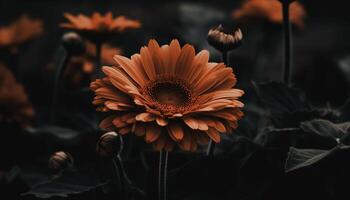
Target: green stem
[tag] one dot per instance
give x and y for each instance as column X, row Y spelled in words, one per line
column 57, row 85
column 98, row 60
column 162, row 176
column 287, row 43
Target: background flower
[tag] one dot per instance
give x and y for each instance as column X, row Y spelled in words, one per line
column 169, row 95
column 270, row 10
column 14, row 104
column 80, row 69
column 98, row 25
column 20, row 31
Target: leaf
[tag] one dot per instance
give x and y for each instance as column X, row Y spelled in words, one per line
column 293, row 119
column 326, row 128
column 279, row 98
column 286, row 137
column 57, row 134
column 68, row 183
column 300, row 158
column 345, row 111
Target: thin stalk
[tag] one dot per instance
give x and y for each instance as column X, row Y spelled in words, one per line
column 287, row 43
column 225, row 57
column 211, row 148
column 57, row 85
column 162, row 176
column 98, row 60
column 117, row 169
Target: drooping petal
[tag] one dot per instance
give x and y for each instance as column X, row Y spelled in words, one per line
column 152, row 132
column 175, row 131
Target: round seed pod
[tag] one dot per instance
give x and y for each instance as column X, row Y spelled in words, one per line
column 60, row 161
column 73, row 44
column 108, row 144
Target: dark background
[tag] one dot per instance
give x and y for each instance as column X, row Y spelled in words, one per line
column 321, row 69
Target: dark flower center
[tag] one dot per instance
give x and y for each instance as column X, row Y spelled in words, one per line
column 169, row 95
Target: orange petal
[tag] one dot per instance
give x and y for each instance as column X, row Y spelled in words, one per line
column 124, row 131
column 185, row 143
column 145, row 117
column 214, row 135
column 161, row 121
column 220, row 127
column 152, row 132
column 106, row 123
column 185, row 60
column 140, row 129
column 175, row 131
column 159, row 144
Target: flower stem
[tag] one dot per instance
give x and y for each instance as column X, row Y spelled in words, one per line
column 117, row 168
column 120, row 171
column 211, row 148
column 287, row 43
column 224, row 57
column 64, row 58
column 162, row 176
column 98, row 59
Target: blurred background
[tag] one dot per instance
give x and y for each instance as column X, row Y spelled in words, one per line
column 321, row 46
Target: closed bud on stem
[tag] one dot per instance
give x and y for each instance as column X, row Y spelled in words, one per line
column 73, row 44
column 223, row 41
column 60, row 161
column 108, row 144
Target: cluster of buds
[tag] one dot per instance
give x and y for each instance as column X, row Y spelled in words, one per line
column 108, row 145
column 60, row 160
column 223, row 41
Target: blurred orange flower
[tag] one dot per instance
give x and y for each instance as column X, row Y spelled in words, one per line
column 14, row 104
column 99, row 24
column 20, row 31
column 270, row 10
column 82, row 67
column 170, row 96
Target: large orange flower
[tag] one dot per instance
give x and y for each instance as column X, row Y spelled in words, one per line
column 270, row 10
column 20, row 31
column 14, row 104
column 169, row 95
column 98, row 25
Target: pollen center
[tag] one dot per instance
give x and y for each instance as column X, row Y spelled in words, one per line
column 169, row 95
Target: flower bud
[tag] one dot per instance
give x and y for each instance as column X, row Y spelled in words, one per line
column 60, row 161
column 108, row 144
column 73, row 44
column 222, row 41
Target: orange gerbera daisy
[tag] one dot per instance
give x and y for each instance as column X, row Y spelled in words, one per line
column 98, row 26
column 270, row 10
column 169, row 95
column 20, row 31
column 14, row 104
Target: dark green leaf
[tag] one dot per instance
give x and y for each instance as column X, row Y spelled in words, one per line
column 326, row 128
column 300, row 158
column 279, row 98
